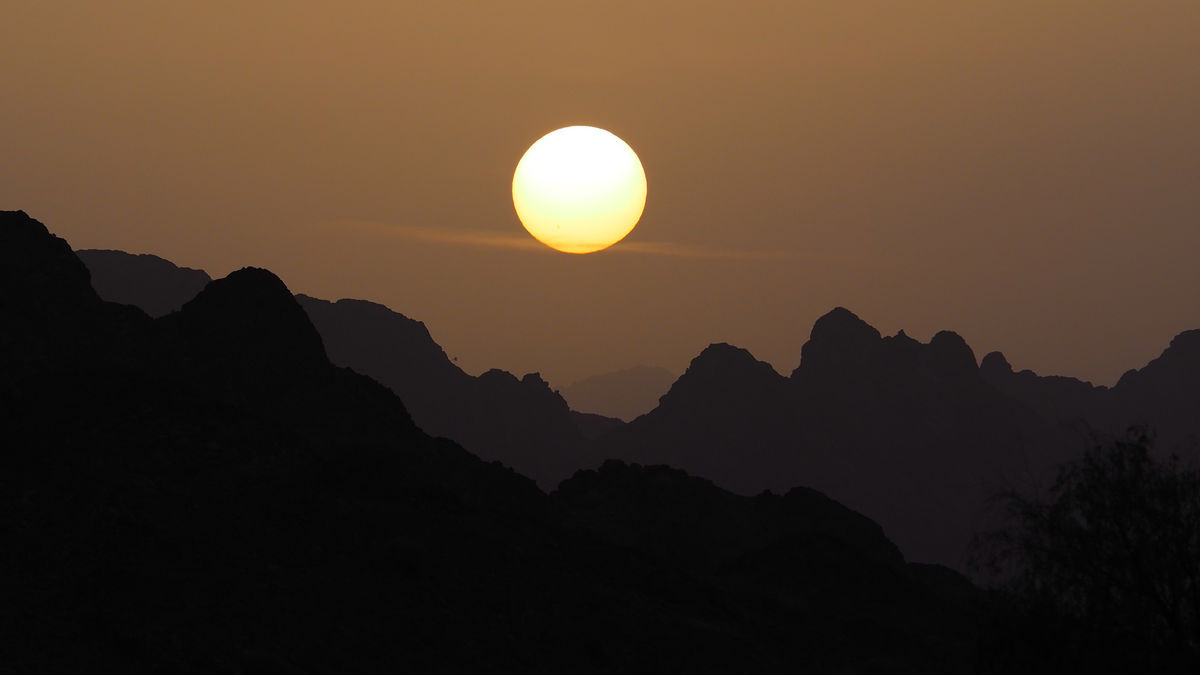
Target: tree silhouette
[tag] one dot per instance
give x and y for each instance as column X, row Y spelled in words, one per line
column 1106, row 569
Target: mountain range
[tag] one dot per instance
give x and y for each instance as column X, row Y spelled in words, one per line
column 916, row 435
column 206, row 492
column 919, row 436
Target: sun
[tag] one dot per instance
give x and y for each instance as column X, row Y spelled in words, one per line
column 579, row 189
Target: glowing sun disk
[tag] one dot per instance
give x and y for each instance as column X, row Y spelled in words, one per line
column 579, row 189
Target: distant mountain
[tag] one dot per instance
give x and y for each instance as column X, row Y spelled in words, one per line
column 913, row 434
column 890, row 426
column 625, row 394
column 521, row 422
column 1064, row 400
column 156, row 285
column 1164, row 395
column 206, row 492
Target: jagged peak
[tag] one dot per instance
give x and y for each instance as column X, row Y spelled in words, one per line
column 18, row 223
column 36, row 266
column 253, row 307
column 498, row 375
column 901, row 346
column 1187, row 340
column 837, row 340
column 535, row 380
column 18, row 226
column 724, row 358
column 1127, row 377
column 721, row 370
column 528, row 382
column 950, row 355
column 1181, row 356
column 723, row 350
column 902, row 338
column 994, row 363
column 840, row 323
column 247, row 287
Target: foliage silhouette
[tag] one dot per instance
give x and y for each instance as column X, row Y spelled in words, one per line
column 1103, row 573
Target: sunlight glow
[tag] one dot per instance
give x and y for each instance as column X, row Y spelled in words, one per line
column 579, row 189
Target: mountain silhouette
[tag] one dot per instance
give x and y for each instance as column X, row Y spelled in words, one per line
column 156, row 285
column 1064, row 400
column 521, row 422
column 624, row 394
column 913, row 434
column 802, row 553
column 1164, row 395
column 205, row 491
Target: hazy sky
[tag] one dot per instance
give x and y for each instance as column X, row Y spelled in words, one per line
column 1024, row 173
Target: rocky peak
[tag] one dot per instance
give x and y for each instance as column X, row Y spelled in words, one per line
column 38, row 267
column 535, row 380
column 950, row 356
column 839, row 340
column 994, row 366
column 722, row 375
column 1178, row 364
column 724, row 363
column 252, row 311
column 1184, row 351
column 1188, row 339
column 842, row 325
column 508, row 391
column 498, row 377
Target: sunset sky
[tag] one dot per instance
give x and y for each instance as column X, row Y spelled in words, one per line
column 1026, row 173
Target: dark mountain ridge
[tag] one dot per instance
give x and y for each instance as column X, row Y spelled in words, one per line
column 156, row 285
column 206, row 492
column 521, row 422
column 913, row 434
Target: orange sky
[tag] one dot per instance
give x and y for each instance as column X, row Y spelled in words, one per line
column 1026, row 173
